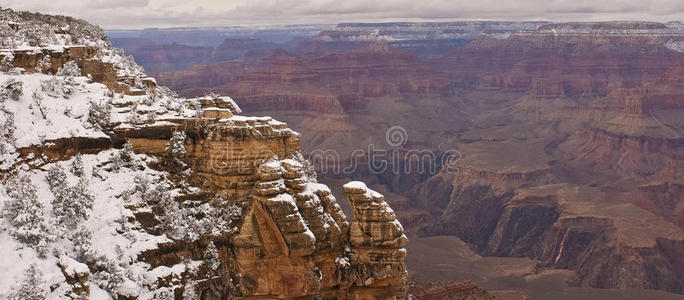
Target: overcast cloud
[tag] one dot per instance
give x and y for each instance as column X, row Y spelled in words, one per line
column 120, row 14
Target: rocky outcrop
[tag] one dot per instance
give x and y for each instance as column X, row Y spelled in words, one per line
column 293, row 241
column 377, row 245
column 97, row 69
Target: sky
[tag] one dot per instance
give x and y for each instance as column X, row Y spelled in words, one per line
column 134, row 14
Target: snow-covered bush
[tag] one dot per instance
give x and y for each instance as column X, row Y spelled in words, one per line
column 159, row 194
column 26, row 214
column 7, row 129
column 82, row 240
column 176, row 149
column 44, row 64
column 31, row 286
column 108, row 275
column 307, row 168
column 35, row 29
column 69, row 69
column 77, row 167
column 127, row 66
column 191, row 221
column 134, row 117
column 7, row 62
column 12, row 89
column 123, row 158
column 58, row 87
column 190, row 291
column 211, row 257
column 38, row 104
column 71, row 203
column 100, row 114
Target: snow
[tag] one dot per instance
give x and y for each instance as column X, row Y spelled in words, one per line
column 284, row 198
column 355, row 185
column 677, row 46
column 33, row 129
column 97, row 293
column 108, row 210
column 342, row 261
column 73, row 267
column 312, row 188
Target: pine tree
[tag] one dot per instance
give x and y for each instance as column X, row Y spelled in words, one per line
column 69, row 69
column 176, row 146
column 7, row 62
column 7, row 129
column 211, row 257
column 82, row 241
column 99, row 114
column 176, row 149
column 26, row 214
column 77, row 167
column 12, row 89
column 31, row 287
column 71, row 203
column 44, row 64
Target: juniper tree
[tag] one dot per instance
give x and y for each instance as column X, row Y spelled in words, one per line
column 11, row 89
column 99, row 114
column 31, row 286
column 211, row 257
column 176, row 149
column 190, row 291
column 71, row 203
column 26, row 214
column 69, row 69
column 44, row 64
column 7, row 62
column 7, row 129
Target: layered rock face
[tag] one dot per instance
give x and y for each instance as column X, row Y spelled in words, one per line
column 294, row 240
column 377, row 245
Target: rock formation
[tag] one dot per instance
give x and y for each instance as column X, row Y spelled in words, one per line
column 183, row 197
column 377, row 245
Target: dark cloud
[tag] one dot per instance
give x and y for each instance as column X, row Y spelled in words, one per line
column 166, row 13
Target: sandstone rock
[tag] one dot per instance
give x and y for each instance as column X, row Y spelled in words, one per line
column 377, row 240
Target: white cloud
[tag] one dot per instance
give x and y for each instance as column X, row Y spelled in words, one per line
column 165, row 13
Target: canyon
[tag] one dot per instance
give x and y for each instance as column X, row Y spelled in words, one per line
column 568, row 135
